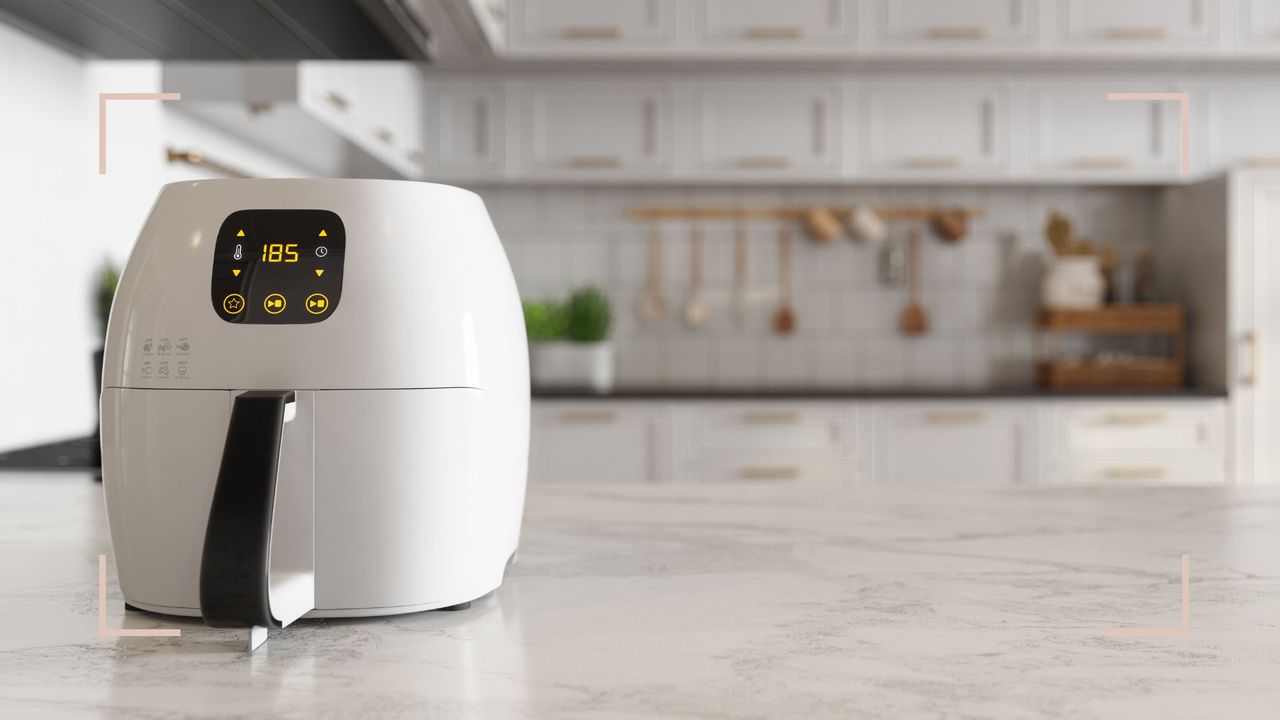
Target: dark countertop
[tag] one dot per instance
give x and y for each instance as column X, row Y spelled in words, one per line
column 993, row 393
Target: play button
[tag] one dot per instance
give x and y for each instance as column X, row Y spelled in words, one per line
column 317, row 303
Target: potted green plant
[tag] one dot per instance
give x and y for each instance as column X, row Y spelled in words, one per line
column 569, row 344
column 104, row 292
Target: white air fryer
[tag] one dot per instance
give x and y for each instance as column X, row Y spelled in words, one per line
column 315, row 402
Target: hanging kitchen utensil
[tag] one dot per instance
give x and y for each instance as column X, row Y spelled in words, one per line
column 821, row 224
column 696, row 310
column 893, row 262
column 652, row 305
column 914, row 319
column 866, row 225
column 740, row 275
column 784, row 320
column 950, row 225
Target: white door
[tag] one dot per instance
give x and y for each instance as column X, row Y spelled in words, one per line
column 1137, row 25
column 590, row 26
column 766, row 25
column 466, row 128
column 1255, row 385
column 955, row 445
column 596, row 127
column 923, row 127
column 598, row 443
column 1079, row 131
column 1257, row 26
column 1245, row 123
column 955, row 26
column 768, row 127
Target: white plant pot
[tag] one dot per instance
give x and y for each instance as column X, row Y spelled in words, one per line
column 572, row 366
column 1074, row 282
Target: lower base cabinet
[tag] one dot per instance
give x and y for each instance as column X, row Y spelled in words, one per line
column 996, row 442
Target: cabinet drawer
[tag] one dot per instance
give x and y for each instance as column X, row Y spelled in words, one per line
column 1138, row 24
column 955, row 445
column 914, row 127
column 1150, row 472
column 768, row 128
column 776, row 470
column 1140, row 429
column 955, row 25
column 765, row 429
column 594, row 443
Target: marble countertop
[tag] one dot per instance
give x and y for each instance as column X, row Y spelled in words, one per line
column 712, row 602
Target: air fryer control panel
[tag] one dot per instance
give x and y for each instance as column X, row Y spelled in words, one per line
column 278, row 267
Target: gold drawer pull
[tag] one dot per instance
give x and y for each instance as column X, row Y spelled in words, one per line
column 769, row 472
column 593, row 33
column 588, row 417
column 955, row 417
column 337, row 100
column 1136, row 473
column 595, row 162
column 385, row 135
column 1102, row 162
column 957, row 33
column 773, row 33
column 1136, row 418
column 1137, row 33
column 932, row 163
column 771, row 417
column 764, row 162
column 417, row 157
column 1264, row 161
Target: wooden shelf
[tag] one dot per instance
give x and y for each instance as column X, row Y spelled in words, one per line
column 1089, row 375
column 1149, row 319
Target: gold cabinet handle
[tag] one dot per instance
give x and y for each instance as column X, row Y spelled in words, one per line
column 1136, row 418
column 588, row 417
column 926, row 162
column 1154, row 472
column 595, row 162
column 1137, row 33
column 773, row 33
column 764, row 162
column 1251, row 378
column 771, row 417
column 338, row 100
column 385, row 135
column 417, row 157
column 769, row 472
column 1102, row 162
column 955, row 417
column 1263, row 161
column 607, row 32
column 957, row 32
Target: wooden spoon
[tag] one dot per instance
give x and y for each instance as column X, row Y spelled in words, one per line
column 914, row 319
column 652, row 305
column 950, row 225
column 784, row 320
column 821, row 224
column 696, row 310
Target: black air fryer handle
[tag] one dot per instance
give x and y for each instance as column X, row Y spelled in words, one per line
column 237, row 542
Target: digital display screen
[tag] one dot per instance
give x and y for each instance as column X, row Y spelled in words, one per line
column 278, row 267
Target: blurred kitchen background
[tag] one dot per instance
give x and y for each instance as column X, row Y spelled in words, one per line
column 862, row 241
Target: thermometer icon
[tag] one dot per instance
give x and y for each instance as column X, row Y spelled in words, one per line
column 239, row 253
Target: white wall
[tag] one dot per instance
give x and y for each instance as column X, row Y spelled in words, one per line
column 60, row 220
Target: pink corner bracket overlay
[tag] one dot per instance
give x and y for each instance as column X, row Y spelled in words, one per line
column 102, row 117
column 1154, row 632
column 1184, row 99
column 103, row 630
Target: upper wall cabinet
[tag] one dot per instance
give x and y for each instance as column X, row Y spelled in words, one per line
column 1243, row 124
column 596, row 127
column 769, row 26
column 591, row 26
column 767, row 128
column 1257, row 26
column 956, row 26
column 465, row 128
column 935, row 128
column 1077, row 130
column 1137, row 26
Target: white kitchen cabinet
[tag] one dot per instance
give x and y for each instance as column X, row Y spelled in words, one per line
column 466, row 131
column 1257, row 27
column 379, row 104
column 768, row 127
column 1243, row 123
column 766, row 27
column 731, row 441
column 578, row 27
column 936, row 128
column 595, row 127
column 956, row 26
column 956, row 443
column 1077, row 131
column 1137, row 26
column 596, row 442
column 1144, row 471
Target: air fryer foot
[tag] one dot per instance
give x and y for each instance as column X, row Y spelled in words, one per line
column 459, row 606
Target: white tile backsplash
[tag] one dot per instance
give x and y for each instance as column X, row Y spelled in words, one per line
column 981, row 293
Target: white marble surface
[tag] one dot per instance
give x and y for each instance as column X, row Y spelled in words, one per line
column 712, row 602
